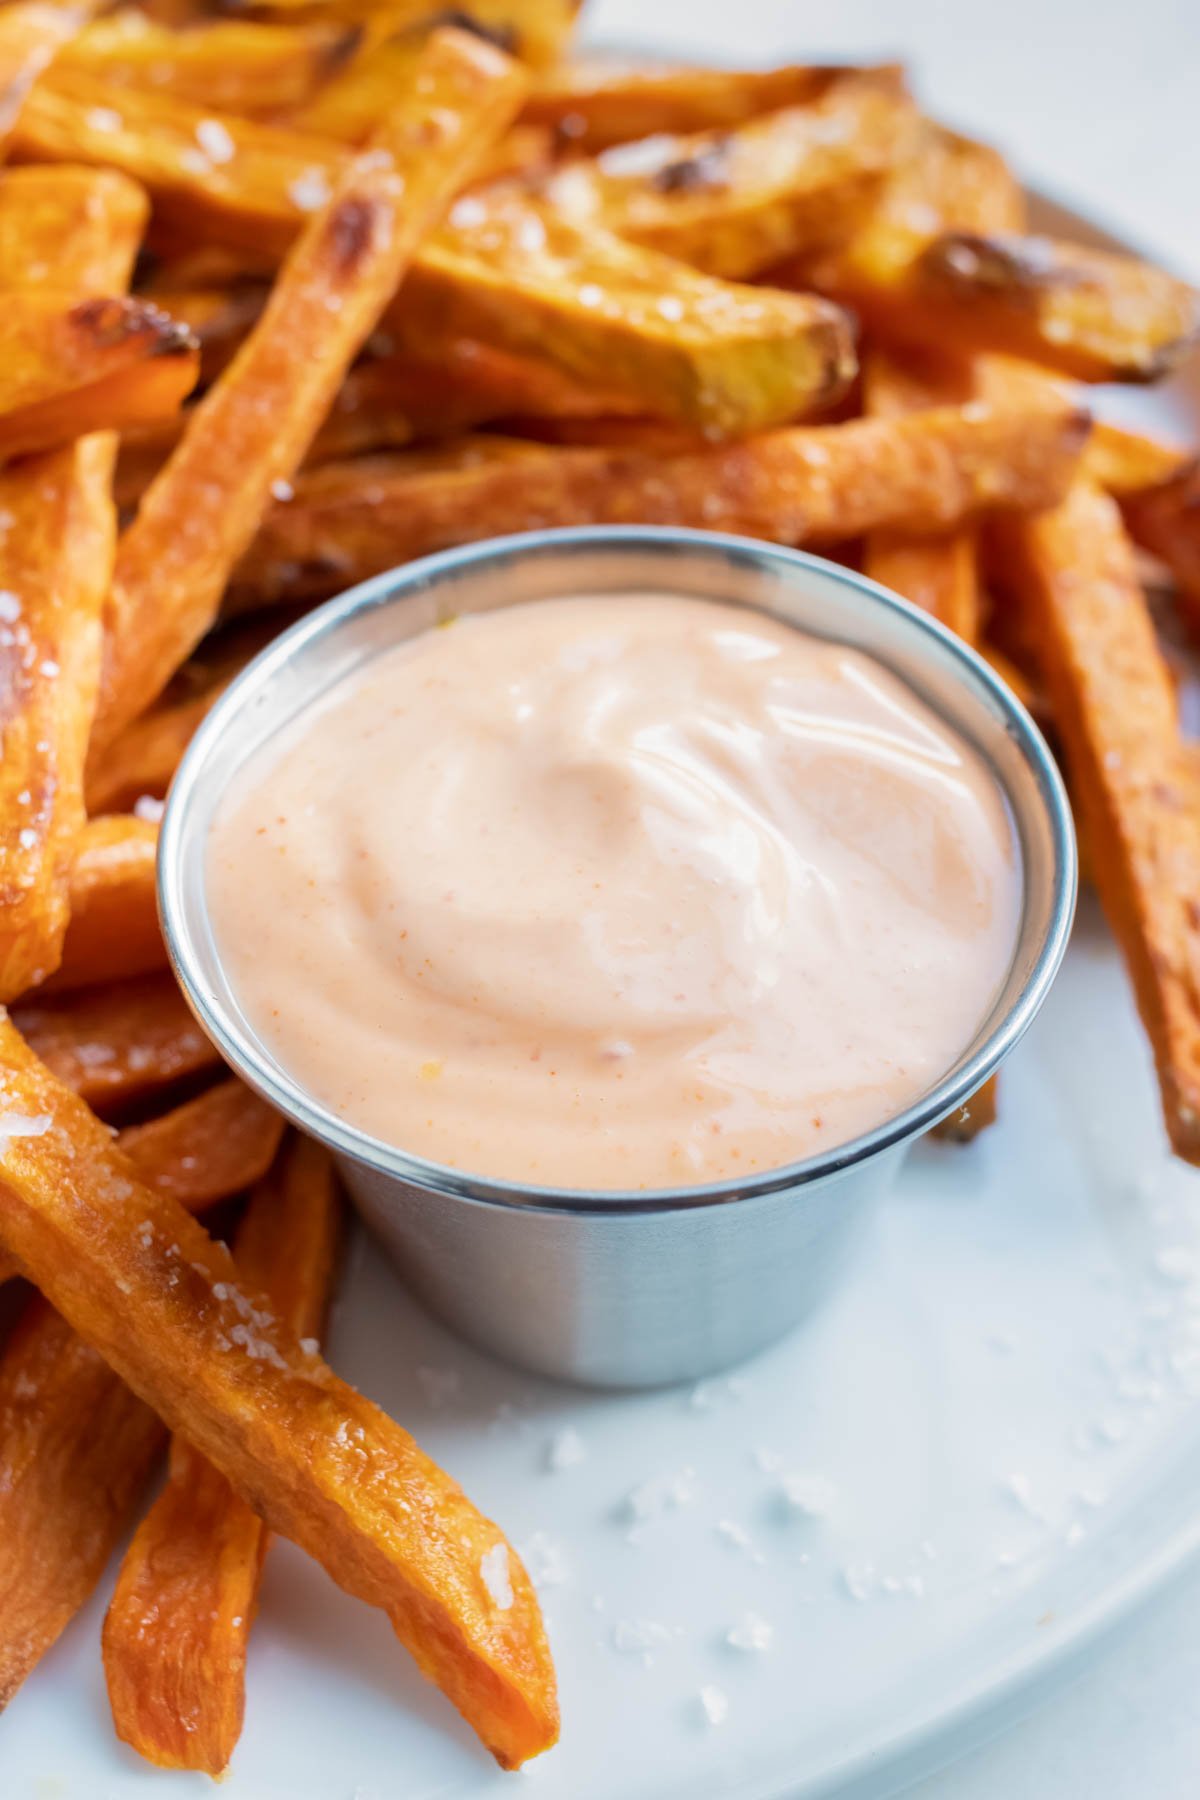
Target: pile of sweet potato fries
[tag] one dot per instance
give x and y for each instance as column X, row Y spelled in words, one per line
column 292, row 296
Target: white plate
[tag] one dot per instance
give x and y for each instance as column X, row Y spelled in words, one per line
column 1003, row 1405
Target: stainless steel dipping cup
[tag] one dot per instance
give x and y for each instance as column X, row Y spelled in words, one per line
column 620, row 1289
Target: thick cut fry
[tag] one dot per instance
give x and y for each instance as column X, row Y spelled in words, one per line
column 622, row 319
column 1094, row 315
column 101, row 364
column 176, row 1633
column 603, row 101
column 929, row 471
column 671, row 341
column 963, row 1126
column 951, row 184
column 235, row 66
column 534, row 30
column 1115, row 712
column 1126, row 464
column 57, row 530
column 113, row 931
column 61, row 229
column 733, row 202
column 119, row 1042
column 207, row 1149
column 940, row 574
column 76, row 1448
column 141, row 760
column 144, row 1284
column 31, row 36
column 1166, row 521
column 219, row 318
column 251, row 190
column 252, row 430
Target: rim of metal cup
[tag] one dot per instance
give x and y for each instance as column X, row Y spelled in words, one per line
column 396, row 585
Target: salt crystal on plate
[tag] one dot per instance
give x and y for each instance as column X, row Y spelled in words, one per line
column 565, row 1450
column 812, row 1495
column 714, row 1704
column 752, row 1632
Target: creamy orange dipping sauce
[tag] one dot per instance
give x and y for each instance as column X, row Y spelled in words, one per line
column 616, row 892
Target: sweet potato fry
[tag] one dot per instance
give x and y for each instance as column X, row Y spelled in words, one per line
column 1115, row 712
column 1092, row 314
column 76, row 1449
column 219, row 318
column 57, row 530
column 251, row 431
column 602, row 101
column 929, row 471
column 622, row 319
column 208, row 1149
column 176, row 1633
column 1165, row 519
column 963, row 1126
column 733, row 202
column 162, row 1303
column 251, row 190
column 233, row 65
column 119, row 1042
column 1127, row 464
column 59, row 227
column 113, row 931
column 32, row 34
column 8, row 1268
column 104, row 363
column 142, row 759
column 670, row 341
column 952, row 183
column 534, row 30
column 940, row 573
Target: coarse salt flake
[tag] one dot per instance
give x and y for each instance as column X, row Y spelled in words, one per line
column 310, row 189
column 10, row 606
column 493, row 1567
column 812, row 1495
column 752, row 1632
column 714, row 1704
column 148, row 808
column 565, row 1450
column 102, row 118
column 282, row 490
column 215, row 141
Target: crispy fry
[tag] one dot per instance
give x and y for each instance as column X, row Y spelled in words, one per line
column 176, row 1633
column 119, row 1042
column 963, row 1126
column 603, row 101
column 929, row 472
column 1115, row 711
column 1090, row 313
column 1126, row 464
column 732, row 202
column 162, row 1303
column 58, row 228
column 534, row 30
column 951, row 184
column 98, row 365
column 142, row 759
column 31, row 36
column 937, row 573
column 113, row 931
column 669, row 340
column 1166, row 521
column 254, row 198
column 622, row 319
column 219, row 318
column 56, row 549
column 209, row 1148
column 251, row 431
column 76, row 1449
column 234, row 66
